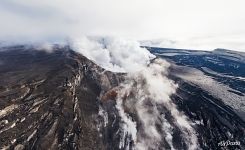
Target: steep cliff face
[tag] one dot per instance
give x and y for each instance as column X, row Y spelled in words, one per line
column 51, row 100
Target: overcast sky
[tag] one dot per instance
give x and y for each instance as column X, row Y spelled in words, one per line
column 198, row 24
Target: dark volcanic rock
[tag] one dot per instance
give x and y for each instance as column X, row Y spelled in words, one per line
column 51, row 100
column 211, row 93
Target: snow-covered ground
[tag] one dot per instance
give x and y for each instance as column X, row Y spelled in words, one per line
column 215, row 88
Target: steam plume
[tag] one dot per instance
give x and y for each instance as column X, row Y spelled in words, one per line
column 146, row 92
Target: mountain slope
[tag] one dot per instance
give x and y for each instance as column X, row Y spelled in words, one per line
column 62, row 100
column 50, row 100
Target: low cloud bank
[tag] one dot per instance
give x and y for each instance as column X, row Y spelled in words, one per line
column 231, row 42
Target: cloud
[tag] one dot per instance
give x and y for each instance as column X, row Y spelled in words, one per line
column 45, row 20
column 232, row 42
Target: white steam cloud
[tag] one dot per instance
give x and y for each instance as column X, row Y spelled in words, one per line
column 114, row 54
column 145, row 92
